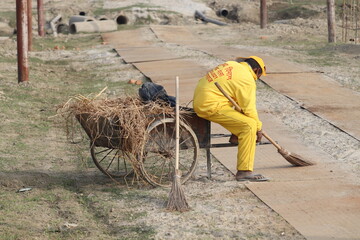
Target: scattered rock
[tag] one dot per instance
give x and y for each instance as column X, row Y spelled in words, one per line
column 132, row 81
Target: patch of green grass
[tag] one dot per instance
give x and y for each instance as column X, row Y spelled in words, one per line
column 37, row 61
column 69, row 42
column 45, row 196
column 136, row 195
column 323, row 56
column 4, row 59
column 134, row 232
column 99, row 209
column 116, row 191
column 7, row 235
column 10, row 16
column 14, row 204
column 127, row 195
column 57, row 234
column 295, row 12
column 131, row 216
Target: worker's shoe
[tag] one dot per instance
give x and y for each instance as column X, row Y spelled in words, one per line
column 249, row 176
column 234, row 139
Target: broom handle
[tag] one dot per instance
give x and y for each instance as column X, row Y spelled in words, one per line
column 177, row 123
column 271, row 140
column 237, row 107
column 228, row 97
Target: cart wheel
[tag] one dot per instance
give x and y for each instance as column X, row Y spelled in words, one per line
column 111, row 161
column 158, row 155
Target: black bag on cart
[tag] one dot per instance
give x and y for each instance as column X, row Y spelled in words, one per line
column 150, row 91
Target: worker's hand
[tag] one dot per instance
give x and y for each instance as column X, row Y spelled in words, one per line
column 258, row 136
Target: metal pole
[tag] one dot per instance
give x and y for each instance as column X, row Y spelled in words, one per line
column 29, row 13
column 331, row 20
column 40, row 10
column 263, row 14
column 22, row 40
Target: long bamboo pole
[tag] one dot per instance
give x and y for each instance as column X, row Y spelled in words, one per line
column 177, row 117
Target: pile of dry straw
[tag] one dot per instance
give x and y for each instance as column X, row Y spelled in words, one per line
column 115, row 123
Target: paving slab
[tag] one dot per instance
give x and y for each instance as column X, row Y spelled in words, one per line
column 174, row 34
column 145, row 54
column 186, row 89
column 127, row 38
column 165, row 72
column 182, row 35
column 330, row 212
column 322, row 96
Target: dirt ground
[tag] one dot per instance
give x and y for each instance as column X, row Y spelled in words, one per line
column 71, row 199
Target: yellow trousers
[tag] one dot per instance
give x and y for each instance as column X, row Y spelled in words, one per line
column 245, row 129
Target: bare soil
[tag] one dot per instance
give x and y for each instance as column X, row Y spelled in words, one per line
column 71, row 199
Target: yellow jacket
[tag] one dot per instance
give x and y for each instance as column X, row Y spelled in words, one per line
column 238, row 80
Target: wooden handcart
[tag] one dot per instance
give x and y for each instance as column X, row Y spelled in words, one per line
column 155, row 159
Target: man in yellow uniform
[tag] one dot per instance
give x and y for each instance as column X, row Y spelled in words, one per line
column 238, row 79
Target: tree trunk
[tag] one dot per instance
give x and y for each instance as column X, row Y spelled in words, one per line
column 263, row 14
column 331, row 20
column 41, row 21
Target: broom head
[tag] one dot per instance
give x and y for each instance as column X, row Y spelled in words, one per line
column 177, row 201
column 295, row 159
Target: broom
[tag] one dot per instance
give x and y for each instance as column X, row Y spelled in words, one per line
column 177, row 201
column 292, row 158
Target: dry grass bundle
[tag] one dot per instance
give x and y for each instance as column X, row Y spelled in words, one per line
column 118, row 123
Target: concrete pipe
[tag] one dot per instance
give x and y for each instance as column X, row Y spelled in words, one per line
column 121, row 19
column 62, row 28
column 102, row 18
column 78, row 18
column 93, row 26
column 53, row 24
column 223, row 12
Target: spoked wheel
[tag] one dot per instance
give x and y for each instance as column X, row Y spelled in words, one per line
column 112, row 162
column 158, row 155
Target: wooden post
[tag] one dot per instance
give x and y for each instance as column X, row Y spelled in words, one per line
column 263, row 14
column 22, row 40
column 343, row 30
column 29, row 14
column 40, row 10
column 331, row 20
